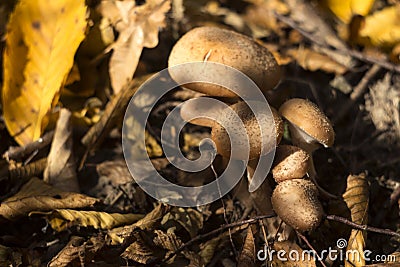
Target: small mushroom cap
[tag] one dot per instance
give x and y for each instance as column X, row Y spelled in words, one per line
column 296, row 203
column 307, row 117
column 290, row 162
column 223, row 143
column 227, row 47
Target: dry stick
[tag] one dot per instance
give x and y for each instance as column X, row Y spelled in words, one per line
column 21, row 152
column 362, row 227
column 216, row 231
column 345, row 51
column 358, row 91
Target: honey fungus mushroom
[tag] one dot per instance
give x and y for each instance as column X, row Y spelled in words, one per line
column 296, row 202
column 224, row 142
column 309, row 129
column 213, row 44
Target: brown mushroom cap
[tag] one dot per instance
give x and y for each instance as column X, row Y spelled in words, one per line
column 227, row 47
column 290, row 162
column 307, row 117
column 296, row 203
column 223, row 143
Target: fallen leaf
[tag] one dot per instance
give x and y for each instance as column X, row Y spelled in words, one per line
column 41, row 41
column 138, row 27
column 382, row 28
column 311, row 60
column 61, row 168
column 36, row 195
column 78, row 251
column 60, row 220
column 356, row 198
column 248, row 254
column 346, row 9
column 191, row 220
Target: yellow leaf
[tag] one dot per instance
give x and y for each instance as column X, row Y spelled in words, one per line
column 42, row 37
column 61, row 219
column 382, row 28
column 356, row 198
column 346, row 9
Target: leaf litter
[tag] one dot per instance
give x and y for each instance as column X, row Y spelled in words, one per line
column 64, row 204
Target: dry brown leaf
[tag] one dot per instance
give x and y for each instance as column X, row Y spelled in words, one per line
column 117, row 235
column 247, row 257
column 61, row 168
column 191, row 220
column 78, row 251
column 356, row 198
column 36, row 195
column 60, row 220
column 138, row 27
column 140, row 251
column 311, row 60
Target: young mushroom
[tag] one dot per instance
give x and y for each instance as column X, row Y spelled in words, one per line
column 309, row 129
column 296, row 202
column 213, row 44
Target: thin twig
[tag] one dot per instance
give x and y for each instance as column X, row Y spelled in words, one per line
column 216, row 231
column 362, row 227
column 358, row 91
column 309, row 245
column 344, row 51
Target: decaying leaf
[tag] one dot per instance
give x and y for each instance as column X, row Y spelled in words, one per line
column 78, row 251
column 138, row 27
column 41, row 41
column 61, row 168
column 356, row 198
column 382, row 103
column 117, row 235
column 60, row 220
column 191, row 220
column 35, row 195
column 248, row 255
column 140, row 251
column 346, row 9
column 311, row 60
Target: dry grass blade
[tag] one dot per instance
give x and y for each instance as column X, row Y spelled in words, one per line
column 248, row 255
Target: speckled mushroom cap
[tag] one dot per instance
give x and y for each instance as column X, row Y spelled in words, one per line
column 192, row 108
column 223, row 143
column 306, row 116
column 219, row 45
column 290, row 162
column 296, row 203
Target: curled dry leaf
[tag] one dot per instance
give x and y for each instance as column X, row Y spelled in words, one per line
column 138, row 27
column 60, row 220
column 148, row 222
column 248, row 255
column 41, row 41
column 35, row 195
column 78, row 251
column 60, row 170
column 191, row 220
column 356, row 198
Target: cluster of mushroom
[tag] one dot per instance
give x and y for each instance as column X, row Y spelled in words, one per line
column 295, row 198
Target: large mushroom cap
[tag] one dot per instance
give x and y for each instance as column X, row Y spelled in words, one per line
column 307, row 117
column 190, row 109
column 213, row 44
column 272, row 125
column 290, row 162
column 296, row 203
